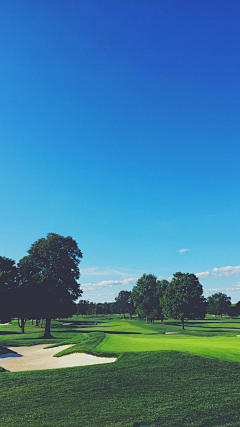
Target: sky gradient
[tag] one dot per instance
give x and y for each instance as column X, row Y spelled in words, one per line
column 120, row 127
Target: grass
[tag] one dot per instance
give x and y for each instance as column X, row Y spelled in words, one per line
column 158, row 388
column 190, row 379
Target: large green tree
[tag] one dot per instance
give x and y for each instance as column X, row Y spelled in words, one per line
column 218, row 303
column 124, row 303
column 183, row 298
column 145, row 296
column 8, row 288
column 49, row 279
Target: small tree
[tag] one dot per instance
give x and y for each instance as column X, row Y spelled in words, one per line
column 218, row 304
column 124, row 303
column 145, row 295
column 183, row 298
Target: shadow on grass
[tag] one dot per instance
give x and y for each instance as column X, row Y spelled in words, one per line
column 10, row 333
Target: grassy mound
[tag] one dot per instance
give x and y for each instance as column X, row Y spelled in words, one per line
column 167, row 389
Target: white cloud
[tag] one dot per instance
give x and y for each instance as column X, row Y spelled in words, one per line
column 108, row 283
column 183, row 250
column 221, row 272
column 208, row 291
column 108, row 271
column 203, row 274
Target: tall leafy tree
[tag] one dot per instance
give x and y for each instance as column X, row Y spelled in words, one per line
column 145, row 295
column 183, row 298
column 124, row 303
column 218, row 304
column 8, row 288
column 49, row 279
column 161, row 288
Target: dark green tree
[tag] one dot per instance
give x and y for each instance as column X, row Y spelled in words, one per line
column 82, row 307
column 145, row 296
column 218, row 304
column 124, row 303
column 8, row 288
column 161, row 288
column 48, row 279
column 183, row 298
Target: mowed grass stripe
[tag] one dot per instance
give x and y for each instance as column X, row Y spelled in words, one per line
column 218, row 347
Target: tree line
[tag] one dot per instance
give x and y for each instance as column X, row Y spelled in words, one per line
column 44, row 285
column 181, row 298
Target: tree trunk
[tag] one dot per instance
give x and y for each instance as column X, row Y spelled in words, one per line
column 47, row 333
column 21, row 323
column 37, row 322
column 183, row 323
column 32, row 321
column 41, row 322
column 146, row 318
column 130, row 316
column 123, row 315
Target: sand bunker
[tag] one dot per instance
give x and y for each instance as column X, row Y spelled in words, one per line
column 38, row 357
column 171, row 333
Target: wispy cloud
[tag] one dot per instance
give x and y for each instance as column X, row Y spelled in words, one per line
column 183, row 250
column 221, row 272
column 108, row 271
column 108, row 283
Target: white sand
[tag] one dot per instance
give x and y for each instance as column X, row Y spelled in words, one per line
column 171, row 333
column 38, row 357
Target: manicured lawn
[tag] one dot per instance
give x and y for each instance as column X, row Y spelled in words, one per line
column 166, row 389
column 158, row 379
column 224, row 348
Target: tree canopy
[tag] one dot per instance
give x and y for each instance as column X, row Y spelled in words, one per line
column 8, row 288
column 124, row 303
column 183, row 298
column 48, row 278
column 218, row 303
column 145, row 296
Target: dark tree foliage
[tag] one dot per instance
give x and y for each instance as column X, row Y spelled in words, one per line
column 161, row 288
column 8, row 289
column 145, row 296
column 82, row 307
column 124, row 303
column 48, row 279
column 218, row 304
column 183, row 298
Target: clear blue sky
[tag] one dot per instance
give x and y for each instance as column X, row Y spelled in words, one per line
column 120, row 126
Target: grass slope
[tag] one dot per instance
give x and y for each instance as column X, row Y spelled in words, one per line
column 167, row 389
column 219, row 347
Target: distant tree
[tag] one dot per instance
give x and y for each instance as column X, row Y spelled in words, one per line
column 237, row 306
column 183, row 298
column 48, row 279
column 218, row 304
column 124, row 303
column 82, row 307
column 99, row 308
column 145, row 296
column 232, row 310
column 113, row 308
column 106, row 307
column 8, row 288
column 161, row 288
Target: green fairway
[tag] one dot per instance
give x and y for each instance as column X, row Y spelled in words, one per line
column 159, row 379
column 164, row 389
column 224, row 348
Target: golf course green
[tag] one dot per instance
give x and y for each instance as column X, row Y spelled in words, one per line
column 163, row 377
